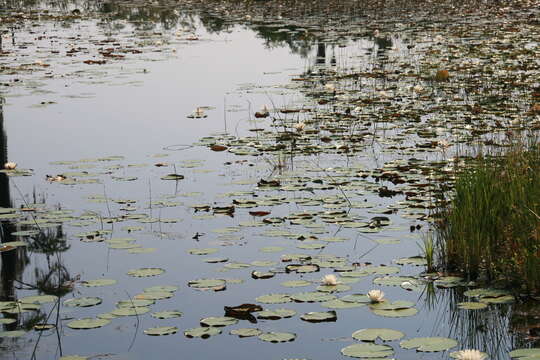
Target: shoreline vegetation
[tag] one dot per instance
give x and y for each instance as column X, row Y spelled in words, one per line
column 490, row 230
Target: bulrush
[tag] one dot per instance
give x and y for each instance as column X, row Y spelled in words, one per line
column 376, row 296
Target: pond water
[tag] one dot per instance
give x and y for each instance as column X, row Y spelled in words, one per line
column 173, row 84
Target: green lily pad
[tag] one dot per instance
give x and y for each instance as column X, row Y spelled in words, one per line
column 340, row 304
column 161, row 331
column 12, row 333
column 246, row 332
column 202, row 332
column 367, row 351
column 218, row 321
column 429, row 344
column 130, row 311
column 262, row 274
column 166, row 314
column 274, row 299
column 276, row 314
column 374, row 334
column 131, row 303
column 216, row 260
column 356, row 298
column 525, row 354
column 172, row 177
column 39, row 299
column 145, row 272
column 477, row 356
column 396, row 313
column 314, row 296
column 87, row 323
column 392, row 280
column 277, row 337
column 321, row 316
column 387, row 305
column 333, row 288
column 7, row 321
column 83, row 302
column 471, row 305
column 208, row 284
column 98, row 282
column 296, row 283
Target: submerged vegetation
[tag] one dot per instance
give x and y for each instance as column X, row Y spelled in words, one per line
column 491, row 228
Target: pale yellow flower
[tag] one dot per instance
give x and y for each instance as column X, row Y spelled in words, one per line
column 10, row 165
column 330, row 279
column 375, row 296
column 470, row 354
column 299, row 126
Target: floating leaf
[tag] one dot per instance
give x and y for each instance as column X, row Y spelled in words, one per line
column 12, row 333
column 162, row 330
column 39, row 299
column 319, row 316
column 525, row 354
column 471, row 305
column 218, row 321
column 202, row 332
column 296, row 283
column 83, row 302
column 208, row 284
column 130, row 311
column 340, row 304
column 87, row 323
column 392, row 280
column 374, row 334
column 367, row 351
column 276, row 314
column 277, row 337
column 159, row 288
column 166, row 314
column 429, row 344
column 98, row 282
column 314, row 296
column 246, row 332
column 205, row 251
column 145, row 272
column 274, row 299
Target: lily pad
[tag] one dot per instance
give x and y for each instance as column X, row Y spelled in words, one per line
column 87, row 323
column 130, row 311
column 471, row 305
column 340, row 304
column 12, row 333
column 162, row 330
column 374, row 334
column 274, row 299
column 277, row 337
column 321, row 316
column 98, row 282
column 525, row 354
column 246, row 332
column 166, row 314
column 145, row 272
column 205, row 251
column 83, row 302
column 208, row 284
column 429, row 344
column 39, row 299
column 202, row 332
column 367, row 351
column 314, row 296
column 218, row 321
column 276, row 314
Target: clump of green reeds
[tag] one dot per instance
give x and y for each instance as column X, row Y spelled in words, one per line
column 491, row 228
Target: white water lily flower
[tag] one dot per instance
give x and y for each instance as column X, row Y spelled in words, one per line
column 330, row 87
column 470, row 354
column 299, row 126
column 10, row 165
column 376, row 296
column 330, row 279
